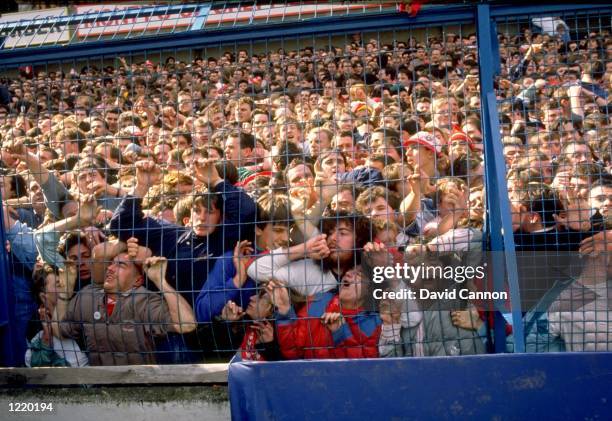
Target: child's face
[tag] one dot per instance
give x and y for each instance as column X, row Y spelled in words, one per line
column 380, row 209
column 387, row 237
column 342, row 200
column 452, row 197
column 260, row 307
column 457, row 148
column 49, row 296
column 351, row 288
column 273, row 236
column 332, row 165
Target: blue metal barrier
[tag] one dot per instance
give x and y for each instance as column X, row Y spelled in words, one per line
column 503, row 387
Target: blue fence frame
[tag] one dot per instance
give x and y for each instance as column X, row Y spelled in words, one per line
column 499, row 219
column 483, row 15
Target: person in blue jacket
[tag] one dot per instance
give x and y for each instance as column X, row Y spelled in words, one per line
column 219, row 218
column 21, row 253
column 228, row 280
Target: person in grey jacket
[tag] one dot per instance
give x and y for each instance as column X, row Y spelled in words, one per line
column 424, row 327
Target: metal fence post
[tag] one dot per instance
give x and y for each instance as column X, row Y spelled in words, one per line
column 499, row 220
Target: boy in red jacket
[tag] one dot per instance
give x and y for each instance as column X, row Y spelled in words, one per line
column 329, row 325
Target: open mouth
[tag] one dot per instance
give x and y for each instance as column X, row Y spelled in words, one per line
column 108, row 280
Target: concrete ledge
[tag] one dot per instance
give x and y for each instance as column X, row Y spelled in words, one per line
column 119, row 402
column 128, row 374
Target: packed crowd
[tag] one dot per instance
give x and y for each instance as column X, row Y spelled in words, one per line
column 167, row 212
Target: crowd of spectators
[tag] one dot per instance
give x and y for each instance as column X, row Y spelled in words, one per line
column 171, row 211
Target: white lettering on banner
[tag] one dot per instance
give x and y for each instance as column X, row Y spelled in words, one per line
column 214, row 18
column 34, row 34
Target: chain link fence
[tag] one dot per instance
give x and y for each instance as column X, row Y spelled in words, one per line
column 304, row 194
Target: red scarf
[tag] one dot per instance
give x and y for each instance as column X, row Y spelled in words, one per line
column 248, row 351
column 110, row 305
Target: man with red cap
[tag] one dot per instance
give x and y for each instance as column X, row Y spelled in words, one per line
column 422, row 151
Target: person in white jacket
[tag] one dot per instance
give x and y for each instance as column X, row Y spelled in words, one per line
column 316, row 265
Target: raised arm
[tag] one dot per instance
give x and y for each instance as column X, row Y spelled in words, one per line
column 269, row 265
column 20, row 238
column 19, row 151
column 411, row 205
column 238, row 207
column 47, row 238
column 575, row 92
column 54, row 191
column 306, row 220
column 102, row 254
column 180, row 311
column 62, row 321
column 518, row 71
column 130, row 221
column 456, row 202
column 224, row 283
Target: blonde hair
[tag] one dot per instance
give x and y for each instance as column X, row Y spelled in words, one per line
column 354, row 88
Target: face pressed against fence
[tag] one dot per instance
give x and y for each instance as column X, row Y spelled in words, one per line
column 372, row 145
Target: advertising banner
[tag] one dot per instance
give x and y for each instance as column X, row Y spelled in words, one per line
column 189, row 19
column 39, row 31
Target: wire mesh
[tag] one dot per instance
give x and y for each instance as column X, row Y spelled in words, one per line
column 275, row 198
column 555, row 121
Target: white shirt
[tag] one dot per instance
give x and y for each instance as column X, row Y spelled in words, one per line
column 305, row 276
column 66, row 348
column 582, row 316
